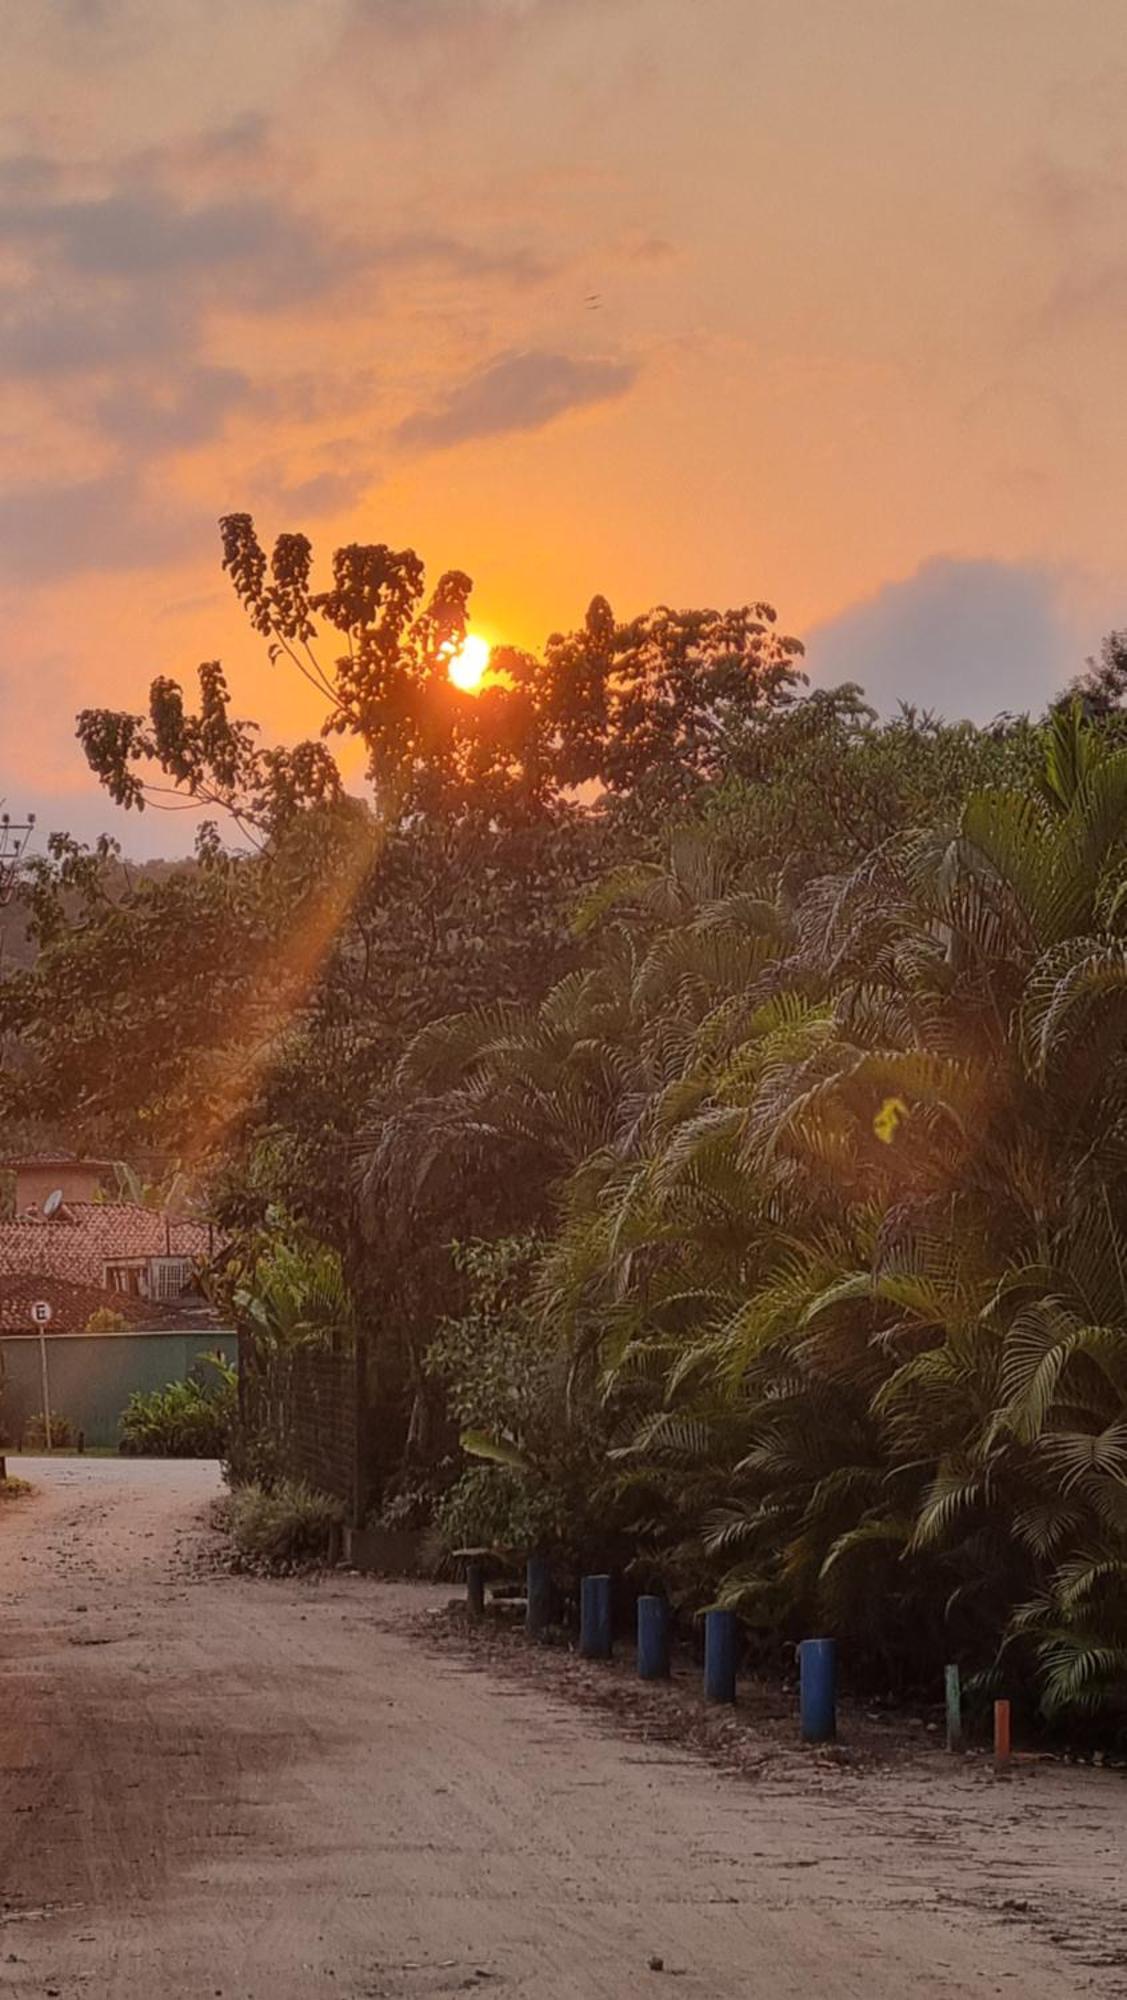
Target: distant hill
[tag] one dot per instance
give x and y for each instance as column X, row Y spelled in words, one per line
column 17, row 949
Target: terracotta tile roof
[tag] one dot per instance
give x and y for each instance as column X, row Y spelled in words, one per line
column 78, row 1242
column 71, row 1306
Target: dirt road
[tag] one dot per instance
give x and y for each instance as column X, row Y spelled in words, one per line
column 213, row 1786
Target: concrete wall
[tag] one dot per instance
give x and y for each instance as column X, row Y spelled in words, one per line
column 77, row 1181
column 91, row 1376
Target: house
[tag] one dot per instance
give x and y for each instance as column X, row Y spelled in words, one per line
column 38, row 1175
column 119, row 1246
column 72, row 1307
column 100, row 1297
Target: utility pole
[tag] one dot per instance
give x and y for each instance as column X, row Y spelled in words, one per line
column 14, row 836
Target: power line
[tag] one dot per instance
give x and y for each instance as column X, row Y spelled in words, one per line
column 14, row 836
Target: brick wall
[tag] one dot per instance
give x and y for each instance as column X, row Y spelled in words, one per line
column 312, row 1406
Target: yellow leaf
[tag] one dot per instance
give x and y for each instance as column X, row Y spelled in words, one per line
column 888, row 1118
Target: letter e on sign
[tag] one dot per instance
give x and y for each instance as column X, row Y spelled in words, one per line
column 41, row 1313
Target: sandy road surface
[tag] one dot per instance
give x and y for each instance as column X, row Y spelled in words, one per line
column 218, row 1786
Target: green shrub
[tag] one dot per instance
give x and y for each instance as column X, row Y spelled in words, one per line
column 533, row 1430
column 106, row 1320
column 190, row 1419
column 252, row 1457
column 63, row 1433
column 282, row 1524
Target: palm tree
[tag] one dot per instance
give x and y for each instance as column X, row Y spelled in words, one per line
column 835, row 1229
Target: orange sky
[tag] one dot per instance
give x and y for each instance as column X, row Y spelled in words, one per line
column 693, row 300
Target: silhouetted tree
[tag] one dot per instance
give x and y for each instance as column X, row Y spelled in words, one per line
column 612, row 707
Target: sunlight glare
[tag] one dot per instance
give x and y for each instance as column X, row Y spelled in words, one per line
column 467, row 666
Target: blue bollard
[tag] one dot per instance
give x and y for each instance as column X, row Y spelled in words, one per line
column 720, row 1646
column 594, row 1618
column 653, row 1639
column 817, row 1674
column 538, row 1611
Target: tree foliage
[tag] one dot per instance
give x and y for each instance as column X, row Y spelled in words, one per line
column 153, row 1005
column 839, row 1241
column 767, row 1061
column 653, row 702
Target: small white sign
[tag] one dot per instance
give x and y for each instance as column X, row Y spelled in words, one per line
column 41, row 1313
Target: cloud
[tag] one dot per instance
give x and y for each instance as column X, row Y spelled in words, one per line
column 1078, row 210
column 187, row 413
column 324, row 492
column 436, row 50
column 427, row 20
column 241, row 146
column 264, row 250
column 28, row 174
column 134, row 274
column 43, row 334
column 517, row 392
column 650, row 250
column 966, row 638
column 463, row 260
column 1094, row 290
column 50, row 529
column 111, row 298
column 1056, row 196
column 311, row 482
column 132, row 278
column 418, row 18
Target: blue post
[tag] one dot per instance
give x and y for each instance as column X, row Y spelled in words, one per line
column 817, row 1673
column 538, row 1613
column 653, row 1639
column 720, row 1644
column 594, row 1618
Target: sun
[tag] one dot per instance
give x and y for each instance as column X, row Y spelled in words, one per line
column 466, row 668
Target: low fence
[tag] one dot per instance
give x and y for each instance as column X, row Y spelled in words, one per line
column 91, row 1376
column 312, row 1405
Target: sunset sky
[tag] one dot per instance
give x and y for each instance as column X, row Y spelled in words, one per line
column 685, row 300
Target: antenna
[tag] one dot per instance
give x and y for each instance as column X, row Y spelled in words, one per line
column 53, row 1202
column 14, row 837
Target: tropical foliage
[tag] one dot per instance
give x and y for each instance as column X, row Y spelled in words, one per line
column 765, row 1060
column 63, row 1433
column 189, row 1419
column 532, row 1481
column 287, row 1293
column 840, row 1237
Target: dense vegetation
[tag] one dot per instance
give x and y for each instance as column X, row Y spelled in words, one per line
column 194, row 1418
column 714, row 1099
column 831, row 1315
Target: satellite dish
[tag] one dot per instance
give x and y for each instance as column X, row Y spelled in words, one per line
column 53, row 1202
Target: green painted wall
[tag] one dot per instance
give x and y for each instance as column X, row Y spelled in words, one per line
column 91, row 1376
